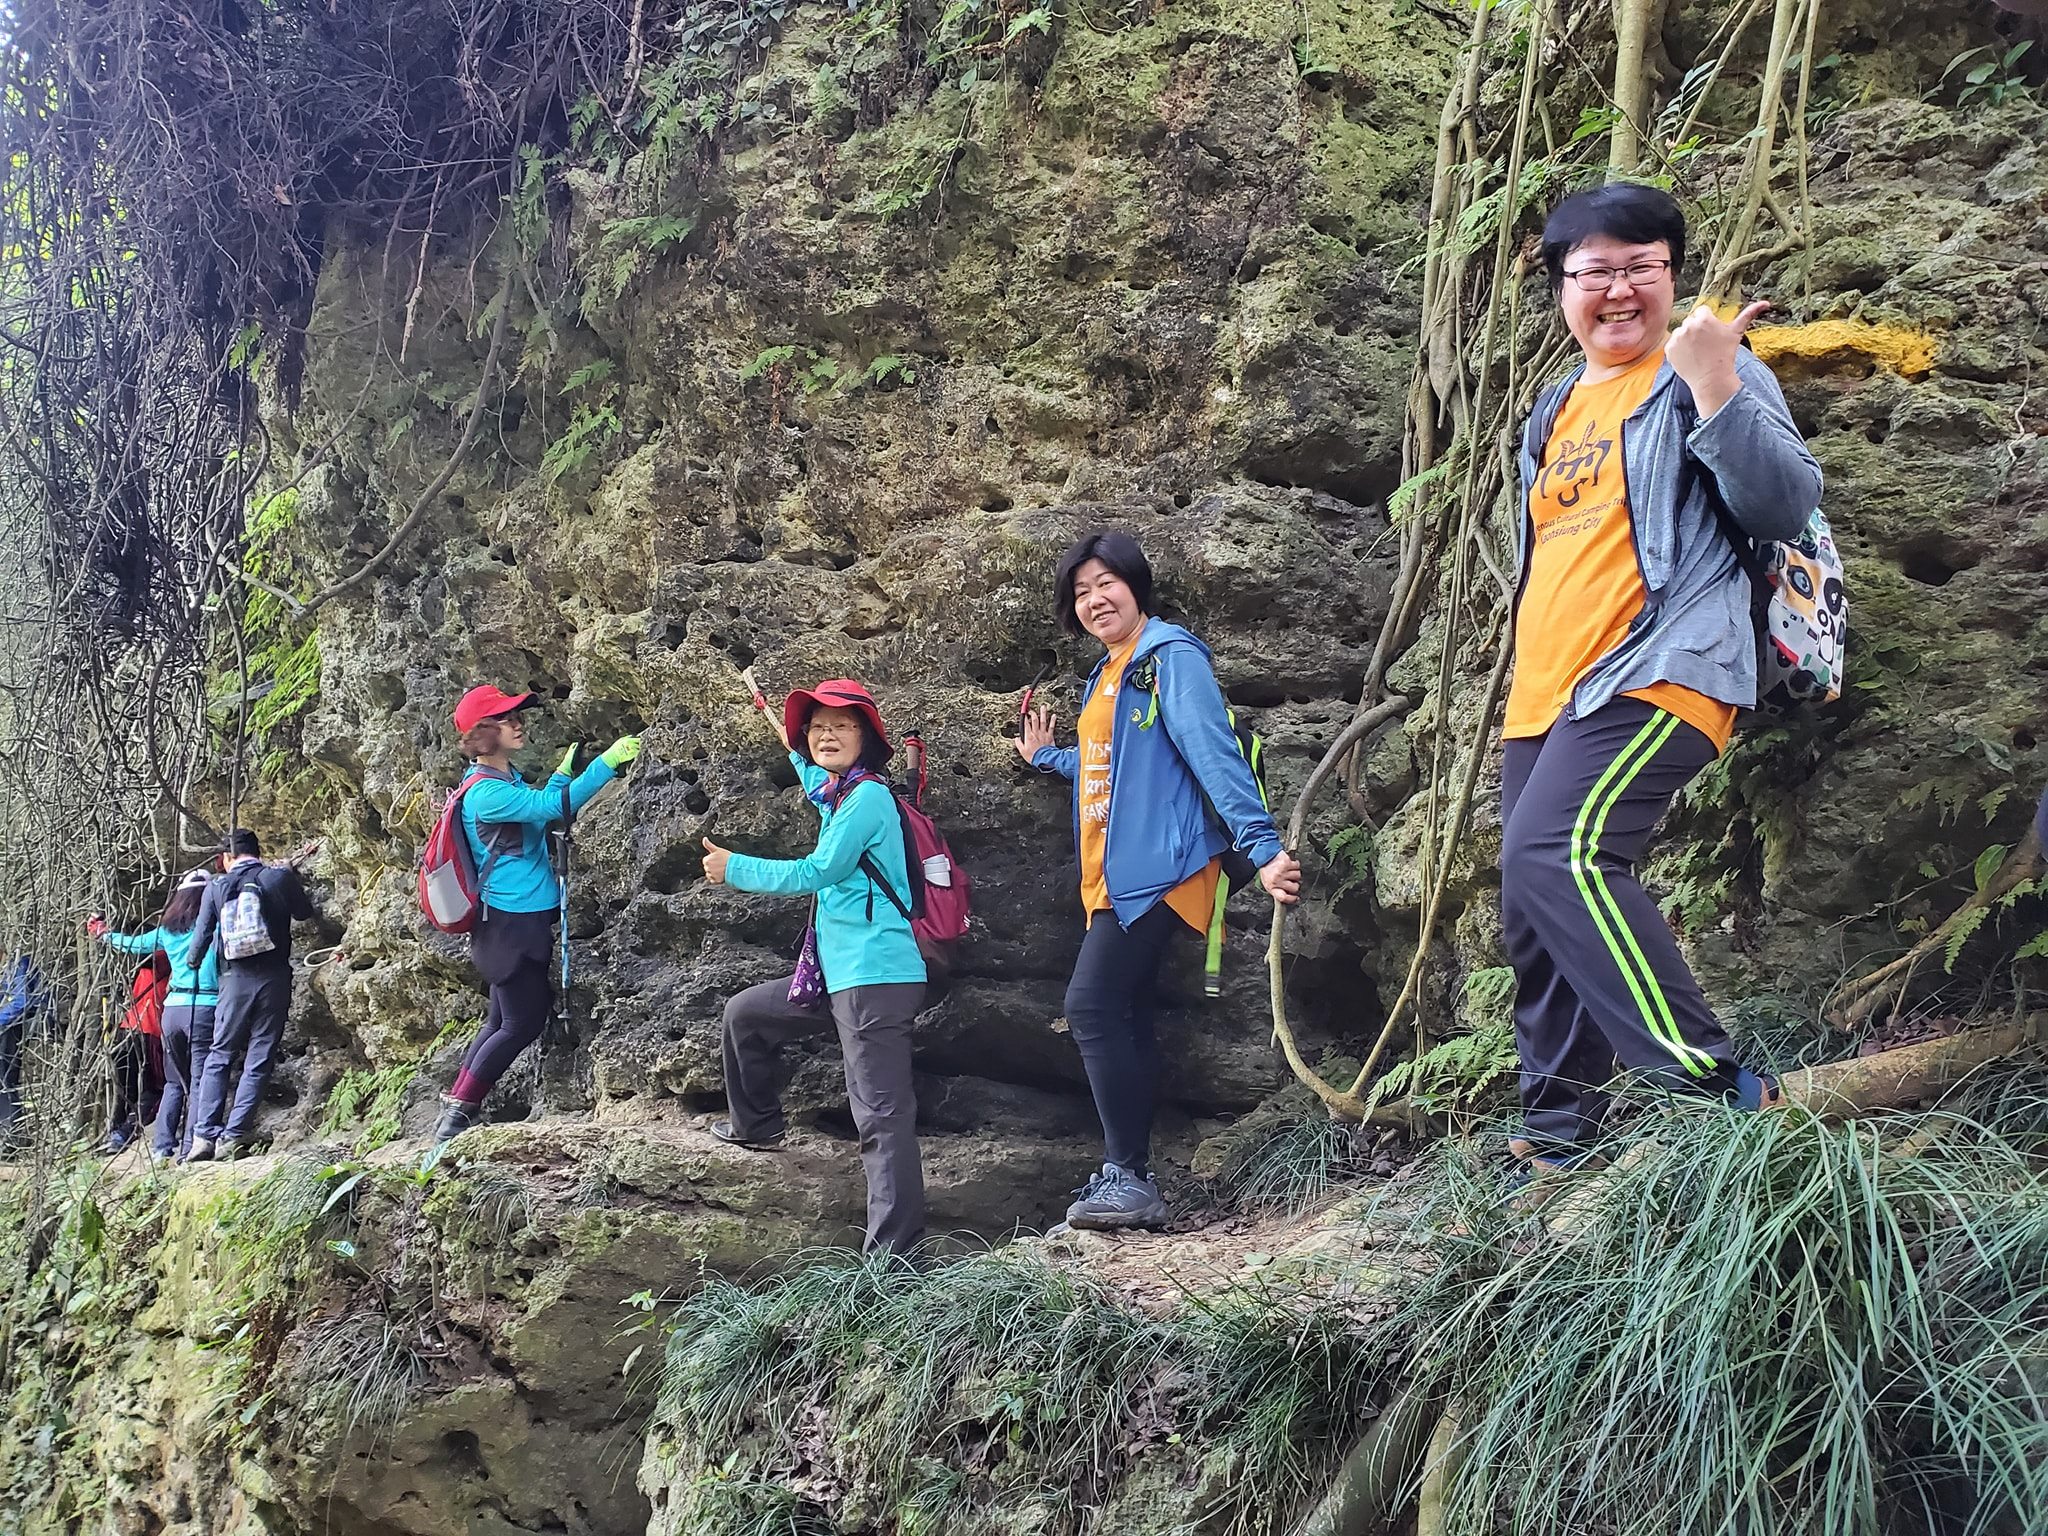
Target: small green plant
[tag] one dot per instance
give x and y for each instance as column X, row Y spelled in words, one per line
column 887, row 367
column 590, row 428
column 1294, row 1166
column 1458, row 1070
column 1992, row 76
column 366, row 1102
column 626, row 249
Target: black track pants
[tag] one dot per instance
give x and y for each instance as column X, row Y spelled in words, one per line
column 1110, row 1002
column 1598, row 975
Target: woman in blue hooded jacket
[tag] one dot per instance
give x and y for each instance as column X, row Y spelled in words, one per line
column 1160, row 791
column 188, row 1005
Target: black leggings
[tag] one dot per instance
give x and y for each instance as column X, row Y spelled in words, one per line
column 514, row 951
column 1109, row 1010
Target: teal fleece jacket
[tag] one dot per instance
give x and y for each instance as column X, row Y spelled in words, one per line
column 189, row 988
column 512, row 816
column 863, row 941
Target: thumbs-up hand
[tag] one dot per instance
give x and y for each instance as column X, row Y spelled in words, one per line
column 1702, row 352
column 715, row 859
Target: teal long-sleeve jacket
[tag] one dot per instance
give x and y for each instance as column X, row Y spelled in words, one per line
column 863, row 941
column 189, row 988
column 512, row 817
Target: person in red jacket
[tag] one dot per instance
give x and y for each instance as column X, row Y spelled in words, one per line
column 138, row 1052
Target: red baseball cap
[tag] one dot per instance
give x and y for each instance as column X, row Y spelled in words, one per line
column 833, row 693
column 481, row 704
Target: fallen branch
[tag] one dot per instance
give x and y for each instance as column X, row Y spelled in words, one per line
column 1908, row 1074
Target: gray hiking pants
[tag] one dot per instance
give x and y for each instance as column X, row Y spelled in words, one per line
column 874, row 1033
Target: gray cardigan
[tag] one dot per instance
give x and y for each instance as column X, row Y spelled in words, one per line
column 1697, row 627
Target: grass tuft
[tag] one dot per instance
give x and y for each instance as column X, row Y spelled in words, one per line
column 1757, row 1323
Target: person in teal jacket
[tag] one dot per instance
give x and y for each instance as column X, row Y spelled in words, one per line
column 873, row 975
column 506, row 821
column 188, row 1006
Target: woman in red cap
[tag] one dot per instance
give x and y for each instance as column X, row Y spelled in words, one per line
column 506, row 821
column 860, row 962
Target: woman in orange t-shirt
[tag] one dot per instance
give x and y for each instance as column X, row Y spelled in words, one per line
column 1633, row 650
column 1160, row 791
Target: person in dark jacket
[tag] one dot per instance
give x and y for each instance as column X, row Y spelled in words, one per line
column 1634, row 647
column 24, row 1001
column 188, row 1008
column 255, row 991
column 1160, row 791
column 506, row 821
column 869, row 974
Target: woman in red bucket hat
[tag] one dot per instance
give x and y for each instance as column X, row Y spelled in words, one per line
column 859, row 968
column 505, row 820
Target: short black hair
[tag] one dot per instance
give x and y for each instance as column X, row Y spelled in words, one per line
column 1622, row 210
column 1115, row 549
column 242, row 841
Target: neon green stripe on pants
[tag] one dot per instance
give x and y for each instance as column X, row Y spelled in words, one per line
column 1606, row 911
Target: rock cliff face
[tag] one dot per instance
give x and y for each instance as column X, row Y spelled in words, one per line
column 891, row 350
column 1160, row 288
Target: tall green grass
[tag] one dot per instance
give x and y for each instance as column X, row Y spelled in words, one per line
column 1003, row 1383
column 1758, row 1324
column 1755, row 1325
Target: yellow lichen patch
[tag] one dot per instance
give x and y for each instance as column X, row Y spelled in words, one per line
column 1826, row 346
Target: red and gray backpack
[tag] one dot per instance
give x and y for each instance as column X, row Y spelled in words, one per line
column 451, row 886
column 940, row 904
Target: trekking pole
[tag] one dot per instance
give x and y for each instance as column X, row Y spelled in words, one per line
column 559, row 1017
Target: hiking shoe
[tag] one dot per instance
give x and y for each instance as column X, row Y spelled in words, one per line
column 1533, row 1179
column 201, row 1152
column 457, row 1116
column 117, row 1141
column 1757, row 1091
column 1117, row 1199
column 724, row 1131
column 227, row 1149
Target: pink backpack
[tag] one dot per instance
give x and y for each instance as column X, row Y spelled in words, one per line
column 451, row 887
column 940, row 901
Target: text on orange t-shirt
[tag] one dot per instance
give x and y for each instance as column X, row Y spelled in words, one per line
column 1584, row 586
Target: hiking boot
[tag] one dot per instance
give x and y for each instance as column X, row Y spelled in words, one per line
column 1117, row 1199
column 457, row 1116
column 724, row 1131
column 201, row 1152
column 227, row 1149
column 117, row 1141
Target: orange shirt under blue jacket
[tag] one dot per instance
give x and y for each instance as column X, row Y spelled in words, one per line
column 1172, row 756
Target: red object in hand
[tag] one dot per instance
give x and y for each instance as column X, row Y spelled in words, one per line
column 95, row 925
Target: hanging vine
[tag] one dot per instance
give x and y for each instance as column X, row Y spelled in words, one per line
column 1479, row 365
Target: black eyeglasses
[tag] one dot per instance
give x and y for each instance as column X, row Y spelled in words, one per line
column 1600, row 279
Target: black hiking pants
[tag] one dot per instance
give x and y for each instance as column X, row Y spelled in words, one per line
column 1598, row 975
column 874, row 1035
column 514, row 952
column 1110, row 1003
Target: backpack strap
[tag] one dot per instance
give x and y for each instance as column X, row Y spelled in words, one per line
column 497, row 847
column 876, row 878
column 1747, row 555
